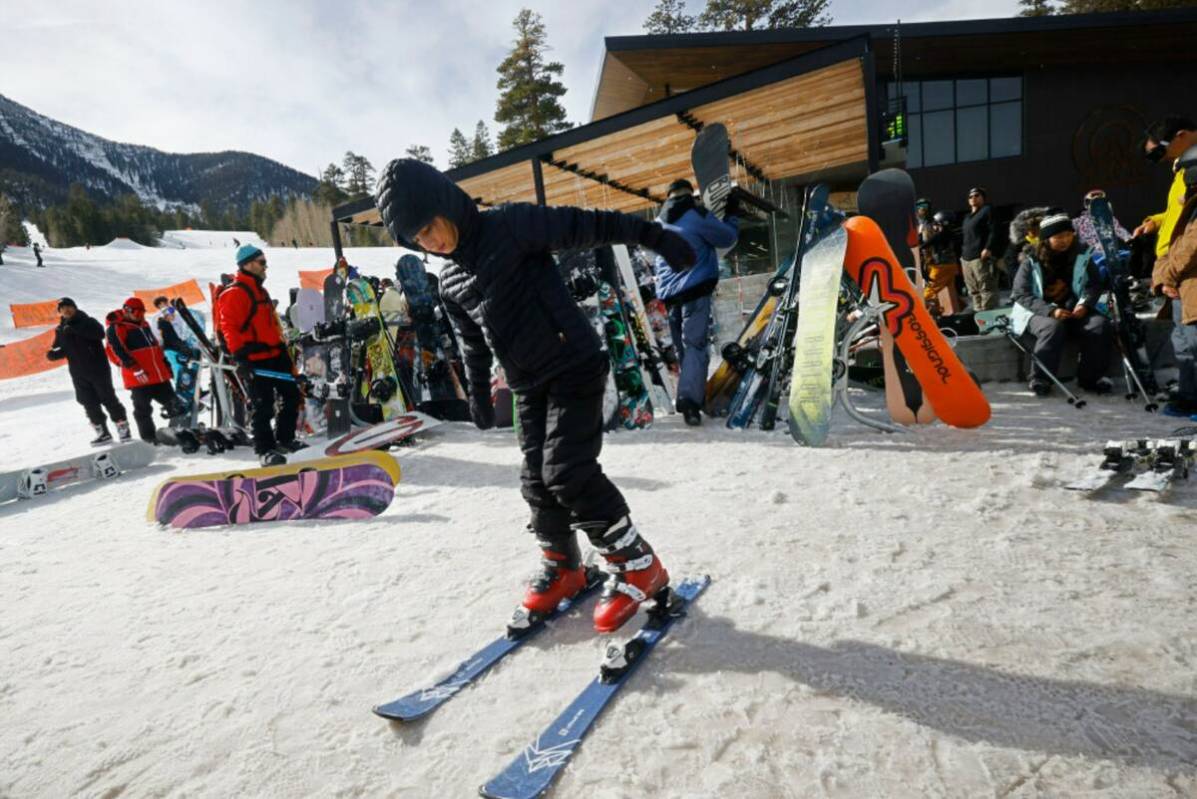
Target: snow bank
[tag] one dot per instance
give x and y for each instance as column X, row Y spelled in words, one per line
column 120, row 243
column 210, row 239
column 927, row 614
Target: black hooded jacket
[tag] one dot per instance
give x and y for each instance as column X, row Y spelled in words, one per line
column 81, row 342
column 502, row 289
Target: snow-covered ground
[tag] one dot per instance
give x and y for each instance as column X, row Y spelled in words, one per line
column 923, row 615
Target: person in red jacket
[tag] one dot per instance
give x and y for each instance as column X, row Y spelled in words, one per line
column 133, row 347
column 251, row 331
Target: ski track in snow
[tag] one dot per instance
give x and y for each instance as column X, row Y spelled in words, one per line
column 924, row 615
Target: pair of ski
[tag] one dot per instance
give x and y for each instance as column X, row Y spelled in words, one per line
column 532, row 772
column 770, row 358
column 1165, row 461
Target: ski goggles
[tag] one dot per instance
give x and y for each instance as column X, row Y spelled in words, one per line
column 1157, row 153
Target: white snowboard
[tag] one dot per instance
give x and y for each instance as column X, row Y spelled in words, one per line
column 100, row 465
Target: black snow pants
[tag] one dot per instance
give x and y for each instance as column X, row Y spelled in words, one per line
column 561, row 435
column 143, row 411
column 263, row 391
column 1095, row 339
column 94, row 393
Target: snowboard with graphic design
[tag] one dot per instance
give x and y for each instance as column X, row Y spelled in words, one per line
column 944, row 380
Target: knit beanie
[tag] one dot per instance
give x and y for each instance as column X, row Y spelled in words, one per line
column 246, row 253
column 1053, row 224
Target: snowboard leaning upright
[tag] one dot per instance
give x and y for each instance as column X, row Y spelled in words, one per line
column 708, row 158
column 870, row 261
column 337, row 367
column 812, row 378
column 887, row 197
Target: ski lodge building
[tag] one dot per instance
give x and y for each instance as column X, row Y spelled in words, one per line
column 1038, row 110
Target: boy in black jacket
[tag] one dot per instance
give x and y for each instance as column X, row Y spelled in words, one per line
column 506, row 298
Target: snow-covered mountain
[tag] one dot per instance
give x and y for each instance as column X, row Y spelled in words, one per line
column 40, row 158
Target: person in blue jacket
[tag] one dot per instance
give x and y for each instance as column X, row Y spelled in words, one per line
column 687, row 292
column 1060, row 284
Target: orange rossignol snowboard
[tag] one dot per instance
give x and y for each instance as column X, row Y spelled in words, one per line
column 957, row 399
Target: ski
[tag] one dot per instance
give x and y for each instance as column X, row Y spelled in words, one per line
column 1169, row 461
column 535, row 768
column 1120, row 460
column 522, row 627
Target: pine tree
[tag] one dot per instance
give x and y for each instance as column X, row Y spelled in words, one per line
column 669, row 17
column 460, row 153
column 747, row 15
column 420, row 152
column 359, row 174
column 529, row 90
column 1035, row 8
column 481, row 147
column 11, row 229
column 328, row 190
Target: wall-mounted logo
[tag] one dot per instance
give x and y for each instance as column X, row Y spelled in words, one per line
column 1106, row 147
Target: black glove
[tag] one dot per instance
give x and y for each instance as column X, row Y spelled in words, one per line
column 482, row 411
column 245, row 373
column 732, row 207
column 670, row 246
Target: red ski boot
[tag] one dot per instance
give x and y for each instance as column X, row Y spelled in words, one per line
column 561, row 576
column 636, row 574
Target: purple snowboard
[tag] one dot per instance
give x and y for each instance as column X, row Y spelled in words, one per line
column 354, row 492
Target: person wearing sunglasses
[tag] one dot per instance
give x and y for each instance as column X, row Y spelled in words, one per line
column 133, row 347
column 249, row 327
column 1165, row 142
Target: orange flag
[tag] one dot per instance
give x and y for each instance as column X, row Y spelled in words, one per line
column 34, row 314
column 189, row 291
column 313, row 278
column 28, row 357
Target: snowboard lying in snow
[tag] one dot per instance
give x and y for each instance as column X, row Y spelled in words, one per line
column 355, row 486
column 376, row 436
column 39, row 480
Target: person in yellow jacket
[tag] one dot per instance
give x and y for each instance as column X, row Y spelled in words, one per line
column 1166, row 141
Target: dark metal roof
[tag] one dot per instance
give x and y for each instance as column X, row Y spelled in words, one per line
column 968, row 27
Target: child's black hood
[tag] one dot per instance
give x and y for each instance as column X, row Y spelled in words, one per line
column 411, row 193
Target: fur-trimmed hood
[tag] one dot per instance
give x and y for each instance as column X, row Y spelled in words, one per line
column 1024, row 221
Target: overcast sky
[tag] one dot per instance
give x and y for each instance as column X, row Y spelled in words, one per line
column 304, row 81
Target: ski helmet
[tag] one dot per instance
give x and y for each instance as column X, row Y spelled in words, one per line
column 1188, row 162
column 1094, row 194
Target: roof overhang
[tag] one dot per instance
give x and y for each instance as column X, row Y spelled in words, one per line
column 642, row 69
column 803, row 117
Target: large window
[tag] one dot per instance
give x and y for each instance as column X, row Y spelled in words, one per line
column 954, row 121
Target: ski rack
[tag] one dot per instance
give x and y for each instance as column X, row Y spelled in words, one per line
column 870, row 315
column 221, row 371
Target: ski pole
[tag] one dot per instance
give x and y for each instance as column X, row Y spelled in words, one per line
column 288, row 378
column 1073, row 399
